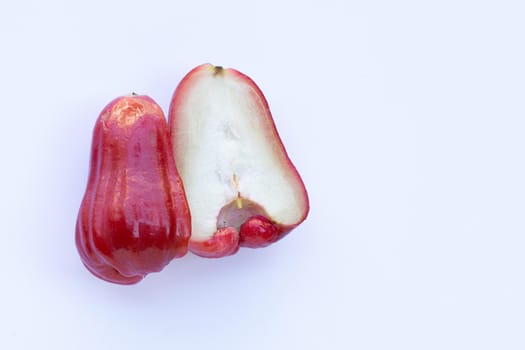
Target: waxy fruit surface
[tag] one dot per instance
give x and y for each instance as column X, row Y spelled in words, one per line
column 134, row 218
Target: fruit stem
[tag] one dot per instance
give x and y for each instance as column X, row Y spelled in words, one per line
column 217, row 70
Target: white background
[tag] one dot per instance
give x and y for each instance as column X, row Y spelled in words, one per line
column 406, row 120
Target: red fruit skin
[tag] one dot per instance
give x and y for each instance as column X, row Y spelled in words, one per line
column 257, row 231
column 134, row 218
column 224, row 242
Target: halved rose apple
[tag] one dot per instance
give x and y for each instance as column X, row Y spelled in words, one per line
column 242, row 188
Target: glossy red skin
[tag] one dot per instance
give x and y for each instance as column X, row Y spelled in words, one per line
column 134, row 218
column 257, row 231
column 225, row 241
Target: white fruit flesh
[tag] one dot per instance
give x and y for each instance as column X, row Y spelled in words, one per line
column 227, row 149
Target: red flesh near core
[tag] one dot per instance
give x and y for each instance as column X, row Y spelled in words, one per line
column 134, row 218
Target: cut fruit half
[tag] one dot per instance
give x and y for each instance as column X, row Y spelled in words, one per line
column 242, row 188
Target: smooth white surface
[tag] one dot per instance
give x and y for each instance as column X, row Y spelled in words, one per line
column 406, row 120
column 225, row 147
